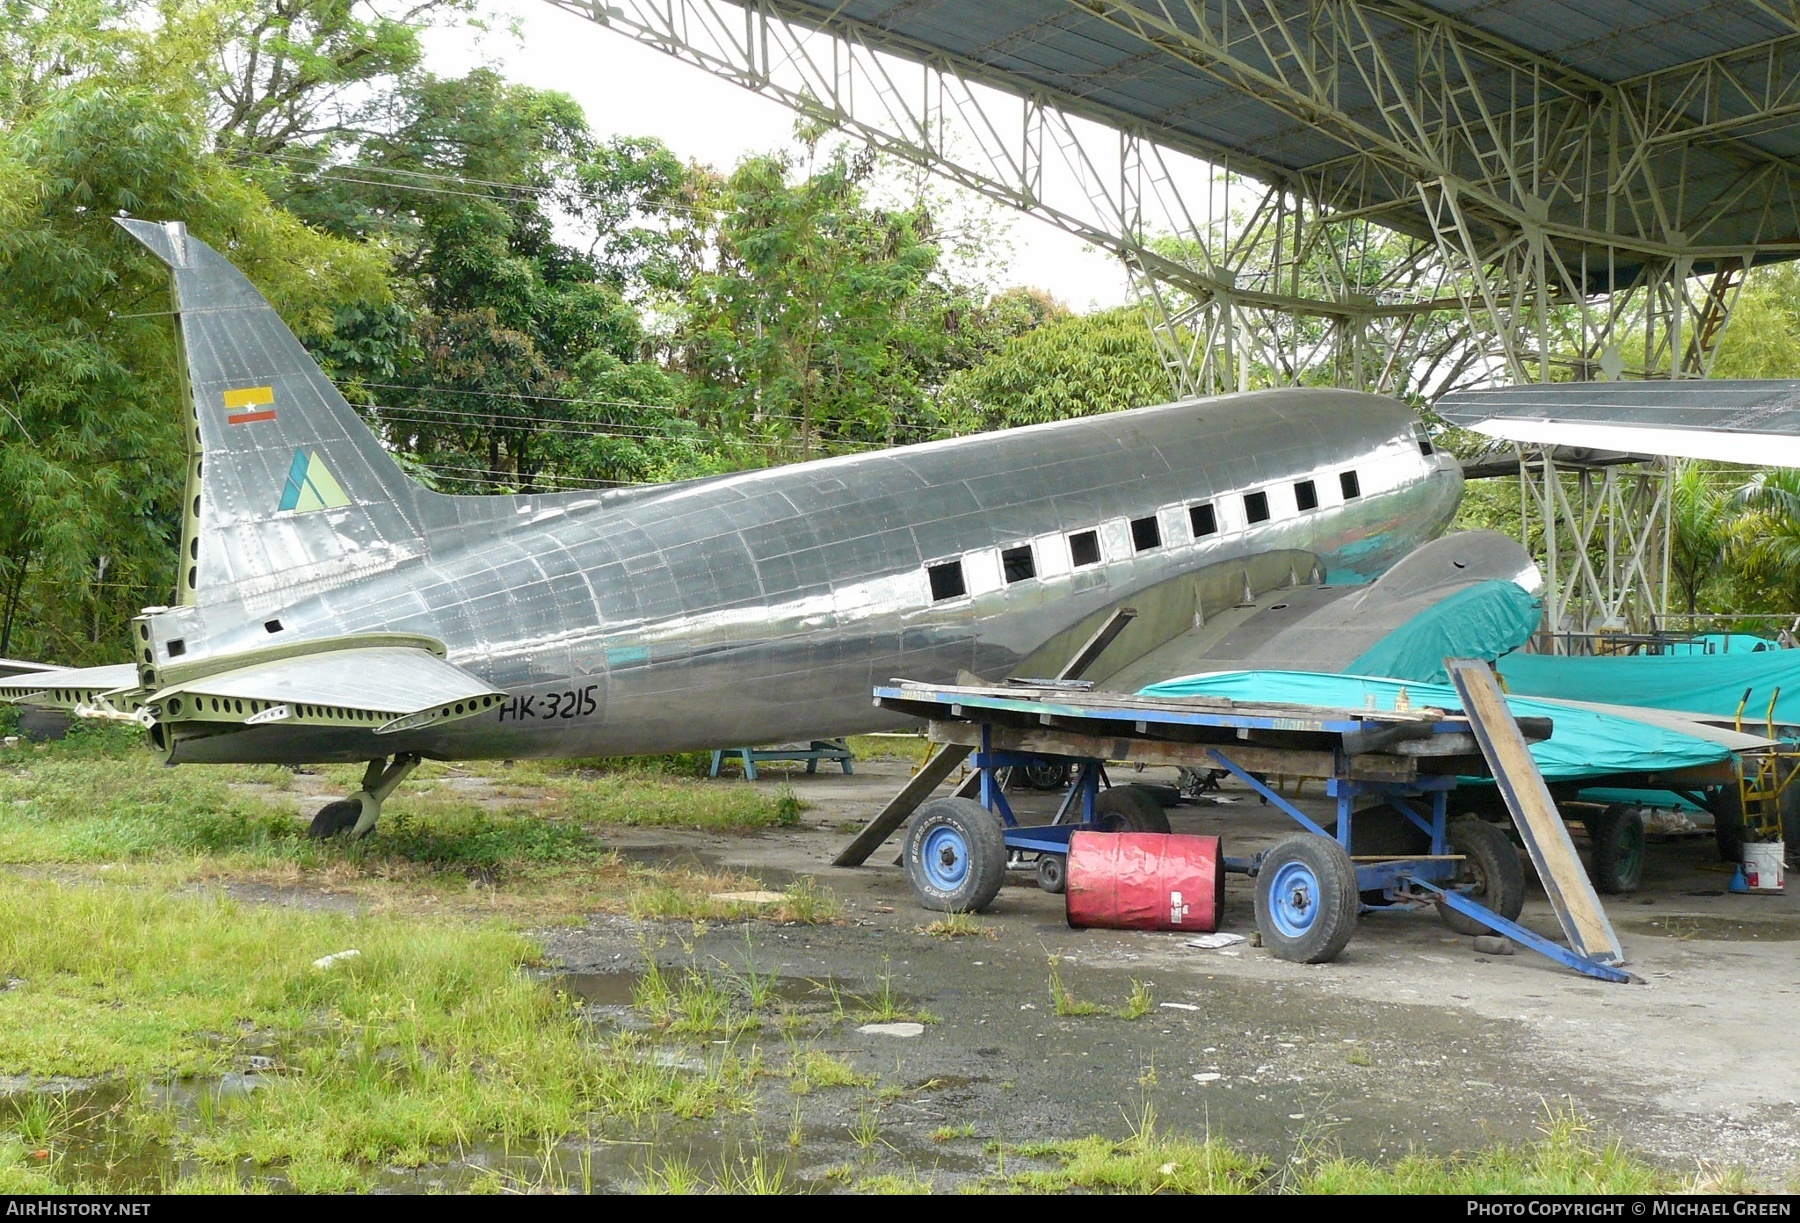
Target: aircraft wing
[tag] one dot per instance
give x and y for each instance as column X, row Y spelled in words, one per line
column 379, row 688
column 1751, row 421
column 71, row 688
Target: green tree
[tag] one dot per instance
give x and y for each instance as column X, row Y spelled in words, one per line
column 1701, row 533
column 104, row 117
column 816, row 317
column 1073, row 365
column 506, row 347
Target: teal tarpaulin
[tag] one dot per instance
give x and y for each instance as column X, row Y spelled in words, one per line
column 1700, row 683
column 1484, row 621
column 1583, row 743
column 1721, row 643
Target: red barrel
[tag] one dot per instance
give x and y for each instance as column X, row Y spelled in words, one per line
column 1145, row 881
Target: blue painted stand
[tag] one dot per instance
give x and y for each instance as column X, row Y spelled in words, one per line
column 821, row 749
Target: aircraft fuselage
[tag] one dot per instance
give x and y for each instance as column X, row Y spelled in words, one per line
column 672, row 619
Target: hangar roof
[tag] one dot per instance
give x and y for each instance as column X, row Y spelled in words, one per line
column 1629, row 129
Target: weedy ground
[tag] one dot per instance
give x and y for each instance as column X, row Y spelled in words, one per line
column 172, row 1038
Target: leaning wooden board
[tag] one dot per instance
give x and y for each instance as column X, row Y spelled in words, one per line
column 1540, row 825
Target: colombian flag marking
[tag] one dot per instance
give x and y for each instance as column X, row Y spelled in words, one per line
column 252, row 399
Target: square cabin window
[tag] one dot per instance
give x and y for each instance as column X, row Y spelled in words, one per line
column 1256, row 507
column 1084, row 548
column 1422, row 435
column 1349, row 485
column 1306, row 495
column 947, row 581
column 1145, row 534
column 1204, row 519
column 1018, row 563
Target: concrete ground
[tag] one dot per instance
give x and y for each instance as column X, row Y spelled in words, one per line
column 1409, row 1040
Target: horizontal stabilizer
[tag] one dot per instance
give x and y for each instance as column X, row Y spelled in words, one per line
column 68, row 687
column 378, row 688
column 1751, row 421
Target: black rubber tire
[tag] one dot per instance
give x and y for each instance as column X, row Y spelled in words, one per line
column 1046, row 775
column 1617, row 837
column 1727, row 807
column 1491, row 862
column 1128, row 809
column 1333, row 904
column 1165, row 794
column 964, row 822
column 335, row 817
column 1053, row 873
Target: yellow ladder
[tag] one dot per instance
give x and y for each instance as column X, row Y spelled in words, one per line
column 1760, row 787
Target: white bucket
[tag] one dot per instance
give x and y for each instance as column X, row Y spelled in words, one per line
column 1765, row 869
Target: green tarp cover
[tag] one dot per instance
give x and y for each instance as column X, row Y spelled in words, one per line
column 1721, row 643
column 1583, row 743
column 1701, row 683
column 1484, row 621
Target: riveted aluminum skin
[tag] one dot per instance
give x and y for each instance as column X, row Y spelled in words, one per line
column 754, row 607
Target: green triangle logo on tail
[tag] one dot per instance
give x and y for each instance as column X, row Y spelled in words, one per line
column 311, row 487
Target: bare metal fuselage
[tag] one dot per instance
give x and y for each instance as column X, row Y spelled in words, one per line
column 764, row 606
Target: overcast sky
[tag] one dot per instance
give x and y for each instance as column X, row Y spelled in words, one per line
column 629, row 89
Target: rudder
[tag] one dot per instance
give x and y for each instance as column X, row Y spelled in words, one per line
column 288, row 491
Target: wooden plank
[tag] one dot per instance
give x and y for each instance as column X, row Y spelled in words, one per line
column 1540, row 825
column 1286, row 761
column 930, row 775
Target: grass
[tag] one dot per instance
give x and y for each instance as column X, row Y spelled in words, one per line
column 1567, row 1158
column 959, row 925
column 1139, row 1004
column 431, row 1038
column 815, row 1068
column 514, row 839
column 1062, row 1001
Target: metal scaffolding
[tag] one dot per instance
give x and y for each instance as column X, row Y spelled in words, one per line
column 1482, row 211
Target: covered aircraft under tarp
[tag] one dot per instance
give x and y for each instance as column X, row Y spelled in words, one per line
column 1585, row 742
column 1750, row 421
column 1708, row 685
column 1397, row 625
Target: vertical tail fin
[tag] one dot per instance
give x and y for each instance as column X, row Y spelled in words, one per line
column 288, row 491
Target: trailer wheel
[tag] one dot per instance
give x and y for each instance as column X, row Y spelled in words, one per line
column 1489, row 874
column 1306, row 900
column 955, row 855
column 1053, row 873
column 1042, row 774
column 1129, row 809
column 1727, row 807
column 1617, row 834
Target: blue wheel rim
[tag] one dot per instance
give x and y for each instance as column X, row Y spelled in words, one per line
column 1294, row 899
column 945, row 858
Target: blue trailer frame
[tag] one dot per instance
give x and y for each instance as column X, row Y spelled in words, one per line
column 1405, row 883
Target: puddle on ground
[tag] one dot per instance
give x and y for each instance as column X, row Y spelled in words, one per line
column 86, row 1134
column 1712, row 928
column 774, row 878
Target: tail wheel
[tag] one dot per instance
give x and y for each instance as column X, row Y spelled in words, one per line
column 334, row 818
column 1489, row 874
column 955, row 855
column 1306, row 900
column 1128, row 809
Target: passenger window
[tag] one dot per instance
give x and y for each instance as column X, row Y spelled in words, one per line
column 1306, row 495
column 1084, row 548
column 1203, row 519
column 1256, row 507
column 1350, row 485
column 1145, row 534
column 1422, row 435
column 1018, row 563
column 947, row 580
